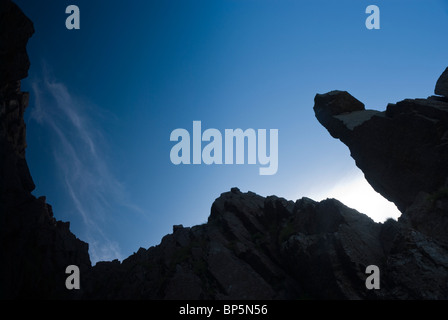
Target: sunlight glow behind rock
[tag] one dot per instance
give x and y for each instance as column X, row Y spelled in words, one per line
column 355, row 192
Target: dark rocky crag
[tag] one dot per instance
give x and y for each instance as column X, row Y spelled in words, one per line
column 251, row 247
column 403, row 151
column 35, row 248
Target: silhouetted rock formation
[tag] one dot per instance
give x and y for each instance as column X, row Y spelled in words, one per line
column 402, row 151
column 35, row 249
column 270, row 248
column 251, row 247
column 254, row 248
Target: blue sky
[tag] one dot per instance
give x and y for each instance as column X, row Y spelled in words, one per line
column 105, row 99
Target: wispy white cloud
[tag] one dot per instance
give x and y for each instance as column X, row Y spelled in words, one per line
column 79, row 154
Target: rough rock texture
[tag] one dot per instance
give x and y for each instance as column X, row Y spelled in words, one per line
column 251, row 247
column 35, row 248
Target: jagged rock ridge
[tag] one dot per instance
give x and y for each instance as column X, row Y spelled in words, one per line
column 251, row 247
column 254, row 248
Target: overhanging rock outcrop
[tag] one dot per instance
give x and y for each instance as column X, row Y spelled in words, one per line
column 403, row 151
